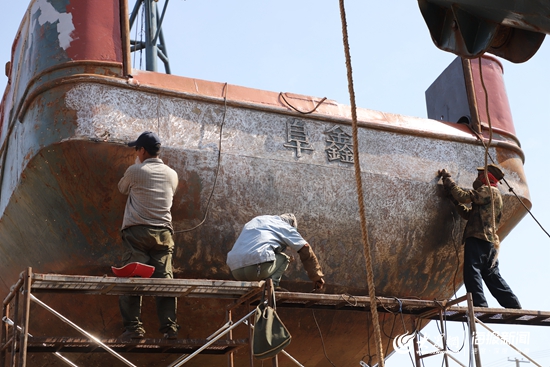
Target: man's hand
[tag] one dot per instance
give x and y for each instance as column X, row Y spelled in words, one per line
column 448, row 182
column 319, row 286
column 443, row 173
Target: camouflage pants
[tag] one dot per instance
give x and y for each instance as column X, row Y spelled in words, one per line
column 153, row 246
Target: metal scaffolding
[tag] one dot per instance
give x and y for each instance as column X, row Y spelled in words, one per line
column 17, row 343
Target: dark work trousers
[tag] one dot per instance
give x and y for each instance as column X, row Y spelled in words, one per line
column 478, row 257
column 153, row 246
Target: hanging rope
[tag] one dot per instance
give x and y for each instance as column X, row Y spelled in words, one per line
column 282, row 95
column 486, row 162
column 322, row 340
column 510, row 188
column 366, row 246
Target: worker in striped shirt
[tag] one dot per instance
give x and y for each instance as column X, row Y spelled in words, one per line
column 147, row 230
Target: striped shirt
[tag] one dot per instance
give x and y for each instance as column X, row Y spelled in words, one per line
column 150, row 187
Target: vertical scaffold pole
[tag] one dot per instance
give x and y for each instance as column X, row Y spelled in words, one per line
column 444, row 338
column 15, row 324
column 271, row 302
column 417, row 358
column 25, row 317
column 5, row 331
column 229, row 337
column 250, row 337
column 472, row 324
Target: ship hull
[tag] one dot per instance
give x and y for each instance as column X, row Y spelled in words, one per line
column 65, row 213
column 238, row 153
column 67, row 198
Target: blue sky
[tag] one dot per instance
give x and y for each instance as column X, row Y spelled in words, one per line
column 296, row 46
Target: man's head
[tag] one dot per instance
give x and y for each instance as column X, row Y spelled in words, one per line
column 494, row 173
column 148, row 141
column 290, row 219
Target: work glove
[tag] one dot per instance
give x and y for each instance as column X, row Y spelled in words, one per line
column 448, row 182
column 311, row 264
column 443, row 173
column 319, row 286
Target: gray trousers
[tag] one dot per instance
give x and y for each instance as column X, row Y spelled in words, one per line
column 153, row 246
column 271, row 269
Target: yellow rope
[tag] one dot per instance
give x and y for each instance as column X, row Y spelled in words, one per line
column 366, row 246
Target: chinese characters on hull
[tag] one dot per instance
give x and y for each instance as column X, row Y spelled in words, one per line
column 297, row 136
column 339, row 144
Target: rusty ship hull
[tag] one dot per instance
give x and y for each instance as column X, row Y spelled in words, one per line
column 69, row 110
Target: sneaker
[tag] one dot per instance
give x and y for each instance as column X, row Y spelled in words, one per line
column 171, row 335
column 133, row 334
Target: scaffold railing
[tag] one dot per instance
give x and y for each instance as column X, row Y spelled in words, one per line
column 15, row 342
